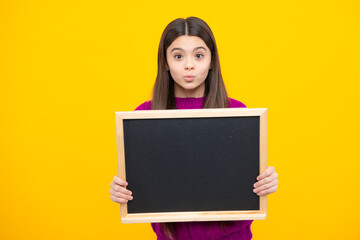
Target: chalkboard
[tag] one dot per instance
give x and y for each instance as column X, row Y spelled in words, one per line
column 192, row 165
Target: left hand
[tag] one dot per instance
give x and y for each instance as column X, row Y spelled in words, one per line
column 267, row 182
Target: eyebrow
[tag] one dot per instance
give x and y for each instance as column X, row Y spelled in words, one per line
column 183, row 49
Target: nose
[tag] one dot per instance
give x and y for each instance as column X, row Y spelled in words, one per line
column 189, row 65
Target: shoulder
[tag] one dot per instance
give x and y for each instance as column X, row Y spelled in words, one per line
column 144, row 106
column 236, row 104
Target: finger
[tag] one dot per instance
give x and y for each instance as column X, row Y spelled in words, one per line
column 120, row 195
column 267, row 173
column 268, row 191
column 118, row 188
column 118, row 200
column 266, row 186
column 119, row 181
column 266, row 180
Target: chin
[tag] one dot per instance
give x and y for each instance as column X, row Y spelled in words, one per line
column 188, row 86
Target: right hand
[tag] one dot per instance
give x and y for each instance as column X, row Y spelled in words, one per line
column 118, row 192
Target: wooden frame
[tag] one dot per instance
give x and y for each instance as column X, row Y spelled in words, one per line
column 196, row 113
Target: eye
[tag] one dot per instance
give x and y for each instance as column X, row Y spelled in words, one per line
column 177, row 56
column 199, row 55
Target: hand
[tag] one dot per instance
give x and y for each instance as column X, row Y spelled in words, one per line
column 267, row 182
column 118, row 192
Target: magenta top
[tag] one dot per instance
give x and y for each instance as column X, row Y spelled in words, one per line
column 239, row 230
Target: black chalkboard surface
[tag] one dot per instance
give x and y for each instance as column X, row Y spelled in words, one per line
column 192, row 165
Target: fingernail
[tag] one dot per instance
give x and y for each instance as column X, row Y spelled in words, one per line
column 254, row 190
column 131, row 198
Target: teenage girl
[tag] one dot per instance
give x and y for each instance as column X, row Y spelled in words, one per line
column 189, row 77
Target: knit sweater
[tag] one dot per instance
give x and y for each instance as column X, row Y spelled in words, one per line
column 234, row 230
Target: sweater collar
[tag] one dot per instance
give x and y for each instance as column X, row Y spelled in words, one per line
column 189, row 102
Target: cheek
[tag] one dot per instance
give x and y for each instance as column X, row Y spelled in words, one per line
column 205, row 69
column 175, row 70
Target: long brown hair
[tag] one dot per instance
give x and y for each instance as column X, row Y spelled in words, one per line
column 163, row 93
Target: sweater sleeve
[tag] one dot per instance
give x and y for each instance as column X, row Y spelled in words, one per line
column 235, row 104
column 144, row 106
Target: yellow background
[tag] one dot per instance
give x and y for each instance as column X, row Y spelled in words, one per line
column 67, row 66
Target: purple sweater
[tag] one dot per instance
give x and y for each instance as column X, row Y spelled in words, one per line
column 239, row 230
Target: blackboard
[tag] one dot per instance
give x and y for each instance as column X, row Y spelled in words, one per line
column 192, row 165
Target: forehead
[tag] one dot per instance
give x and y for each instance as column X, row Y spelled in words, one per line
column 188, row 43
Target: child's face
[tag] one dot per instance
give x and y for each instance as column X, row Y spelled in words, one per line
column 188, row 56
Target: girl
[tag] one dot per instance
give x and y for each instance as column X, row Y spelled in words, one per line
column 189, row 77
